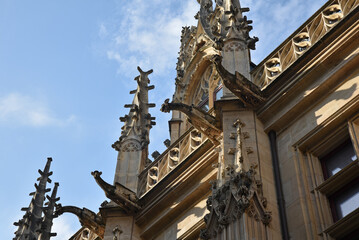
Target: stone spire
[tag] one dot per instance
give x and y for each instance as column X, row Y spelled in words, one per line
column 133, row 143
column 229, row 29
column 49, row 215
column 30, row 225
column 226, row 22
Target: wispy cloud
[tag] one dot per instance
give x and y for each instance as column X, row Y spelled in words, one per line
column 16, row 108
column 148, row 34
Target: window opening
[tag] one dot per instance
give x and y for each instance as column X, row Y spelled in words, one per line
column 337, row 159
column 345, row 200
column 218, row 92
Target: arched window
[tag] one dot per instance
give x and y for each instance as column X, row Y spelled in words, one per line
column 209, row 89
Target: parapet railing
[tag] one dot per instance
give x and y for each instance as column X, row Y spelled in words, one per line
column 169, row 159
column 302, row 40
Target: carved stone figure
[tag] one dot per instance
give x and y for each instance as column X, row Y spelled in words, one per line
column 200, row 119
column 116, row 233
column 121, row 195
column 247, row 92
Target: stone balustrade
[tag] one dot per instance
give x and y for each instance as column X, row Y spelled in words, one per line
column 170, row 159
column 301, row 40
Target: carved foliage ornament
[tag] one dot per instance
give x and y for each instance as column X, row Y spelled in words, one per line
column 116, row 233
column 229, row 202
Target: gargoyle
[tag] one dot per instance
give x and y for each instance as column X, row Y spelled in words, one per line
column 87, row 218
column 200, row 119
column 121, row 195
column 247, row 92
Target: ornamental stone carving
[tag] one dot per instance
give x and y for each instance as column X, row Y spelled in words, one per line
column 247, row 92
column 200, row 119
column 240, row 195
column 225, row 22
column 125, row 198
column 116, row 233
column 131, row 146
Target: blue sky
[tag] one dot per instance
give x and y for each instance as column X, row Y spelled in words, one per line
column 66, row 68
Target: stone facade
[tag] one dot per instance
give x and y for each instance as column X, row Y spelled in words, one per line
column 247, row 158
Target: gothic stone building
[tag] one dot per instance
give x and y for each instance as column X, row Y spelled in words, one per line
column 265, row 151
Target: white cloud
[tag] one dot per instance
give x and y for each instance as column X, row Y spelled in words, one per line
column 20, row 109
column 148, row 34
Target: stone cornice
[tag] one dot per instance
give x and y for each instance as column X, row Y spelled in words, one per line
column 178, row 191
